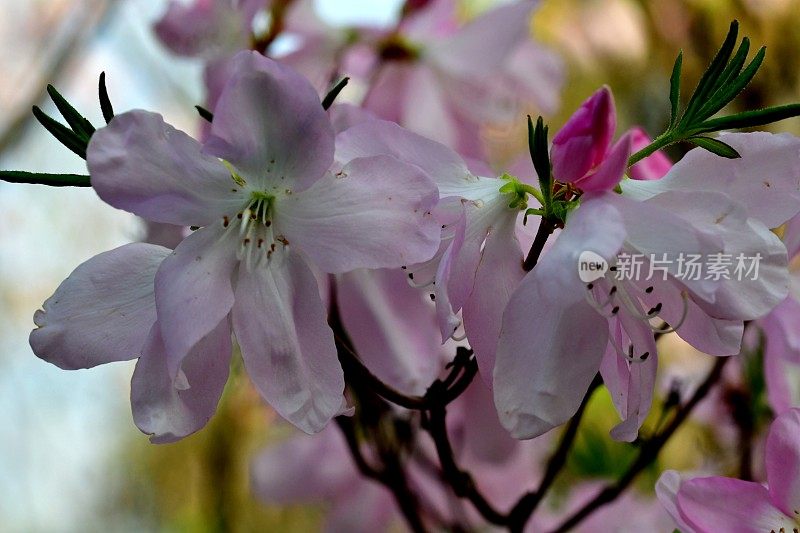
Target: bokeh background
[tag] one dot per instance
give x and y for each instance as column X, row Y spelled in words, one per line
column 70, row 457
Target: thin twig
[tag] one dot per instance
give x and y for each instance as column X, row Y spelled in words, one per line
column 546, row 228
column 647, row 453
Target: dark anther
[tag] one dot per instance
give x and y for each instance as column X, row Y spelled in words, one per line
column 433, row 296
column 590, row 286
column 655, row 310
column 644, row 356
column 615, row 310
column 649, row 289
column 411, row 275
column 613, row 290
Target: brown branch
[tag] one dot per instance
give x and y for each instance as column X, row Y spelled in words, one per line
column 647, row 453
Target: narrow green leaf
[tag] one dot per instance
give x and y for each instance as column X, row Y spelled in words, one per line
column 709, row 81
column 749, row 119
column 105, row 101
column 53, row 180
column 327, row 102
column 537, row 146
column 675, row 89
column 715, row 146
column 734, row 87
column 76, row 121
column 64, row 135
column 205, row 113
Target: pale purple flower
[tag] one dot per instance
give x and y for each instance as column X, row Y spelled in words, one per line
column 479, row 262
column 444, row 80
column 713, row 504
column 558, row 330
column 270, row 207
column 652, row 167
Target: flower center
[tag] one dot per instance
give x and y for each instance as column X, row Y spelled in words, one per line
column 624, row 301
column 255, row 231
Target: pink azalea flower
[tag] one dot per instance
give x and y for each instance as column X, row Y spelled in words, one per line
column 712, row 504
column 479, row 262
column 558, row 330
column 652, row 167
column 444, row 80
column 269, row 210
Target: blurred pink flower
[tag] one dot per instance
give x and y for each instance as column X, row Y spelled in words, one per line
column 713, row 504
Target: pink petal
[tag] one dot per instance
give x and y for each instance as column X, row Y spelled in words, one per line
column 766, row 178
column 143, row 165
column 485, row 42
column 102, row 312
column 652, row 167
column 379, row 137
column 193, row 290
column 498, row 274
column 203, row 28
column 667, row 487
column 426, row 107
column 716, row 504
column 269, row 124
column 783, row 462
column 375, row 213
column 782, row 375
column 611, row 170
column 304, row 468
column 392, row 328
column 582, row 143
column 791, row 236
column 287, row 346
column 713, row 213
column 171, row 409
column 552, row 339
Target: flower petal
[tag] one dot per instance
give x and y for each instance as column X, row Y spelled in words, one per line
column 193, row 290
column 498, row 274
column 171, row 409
column 652, row 167
column 582, row 143
column 380, row 137
column 143, row 165
column 766, row 178
column 552, row 339
column 783, row 462
column 715, row 504
column 375, row 213
column 392, row 328
column 270, row 125
column 667, row 488
column 102, row 312
column 485, row 42
column 287, row 346
column 611, row 170
column 303, row 468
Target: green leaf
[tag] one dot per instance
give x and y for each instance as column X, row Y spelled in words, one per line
column 715, row 146
column 675, row 89
column 733, row 87
column 76, row 121
column 105, row 102
column 749, row 119
column 64, row 135
column 53, row 180
column 327, row 102
column 709, row 82
column 537, row 146
column 205, row 113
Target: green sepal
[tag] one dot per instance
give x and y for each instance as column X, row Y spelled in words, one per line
column 715, row 146
column 105, row 101
column 205, row 113
column 540, row 156
column 327, row 102
column 64, row 135
column 76, row 121
column 675, row 89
